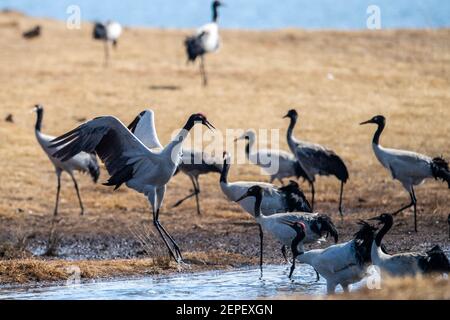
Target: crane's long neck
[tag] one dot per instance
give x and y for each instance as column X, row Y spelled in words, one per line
column 40, row 115
column 249, row 146
column 258, row 201
column 224, row 173
column 290, row 130
column 173, row 149
column 379, row 237
column 298, row 238
column 215, row 13
column 376, row 136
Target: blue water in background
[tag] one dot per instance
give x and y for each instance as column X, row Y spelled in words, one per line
column 247, row 14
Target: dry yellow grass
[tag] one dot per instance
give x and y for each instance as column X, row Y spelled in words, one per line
column 418, row 288
column 254, row 80
column 40, row 270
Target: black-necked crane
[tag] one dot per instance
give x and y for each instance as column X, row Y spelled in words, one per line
column 317, row 225
column 129, row 161
column 82, row 161
column 276, row 199
column 340, row 264
column 316, row 159
column 267, row 159
column 108, row 32
column 410, row 168
column 193, row 164
column 205, row 40
column 408, row 263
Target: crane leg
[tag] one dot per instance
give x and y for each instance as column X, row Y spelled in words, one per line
column 412, row 204
column 184, row 199
column 317, row 276
column 58, row 189
column 313, row 192
column 341, row 212
column 261, row 238
column 78, row 194
column 295, row 254
column 283, row 251
column 203, row 71
column 174, row 252
column 106, row 53
column 414, row 200
column 292, row 267
column 197, row 192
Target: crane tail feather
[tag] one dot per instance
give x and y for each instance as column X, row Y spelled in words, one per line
column 440, row 170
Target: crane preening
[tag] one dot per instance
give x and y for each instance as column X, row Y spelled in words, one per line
column 340, row 264
column 408, row 263
column 318, row 225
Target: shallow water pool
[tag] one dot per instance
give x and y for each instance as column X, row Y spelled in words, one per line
column 242, row 283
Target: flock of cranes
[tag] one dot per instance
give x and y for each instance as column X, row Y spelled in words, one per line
column 134, row 156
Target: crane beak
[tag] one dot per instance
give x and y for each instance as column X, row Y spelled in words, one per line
column 209, row 125
column 286, row 116
column 366, row 122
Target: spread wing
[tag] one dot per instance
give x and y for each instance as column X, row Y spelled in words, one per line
column 116, row 146
column 143, row 127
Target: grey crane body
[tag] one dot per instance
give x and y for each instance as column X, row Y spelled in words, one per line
column 317, row 225
column 129, row 161
column 268, row 159
column 83, row 162
column 409, row 263
column 205, row 40
column 410, row 168
column 340, row 264
column 316, row 159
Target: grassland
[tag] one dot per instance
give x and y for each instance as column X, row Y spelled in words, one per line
column 334, row 79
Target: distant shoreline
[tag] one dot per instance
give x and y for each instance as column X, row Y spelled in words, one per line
column 352, row 25
column 281, row 29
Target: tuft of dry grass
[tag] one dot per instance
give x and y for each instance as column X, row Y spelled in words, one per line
column 418, row 288
column 42, row 270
